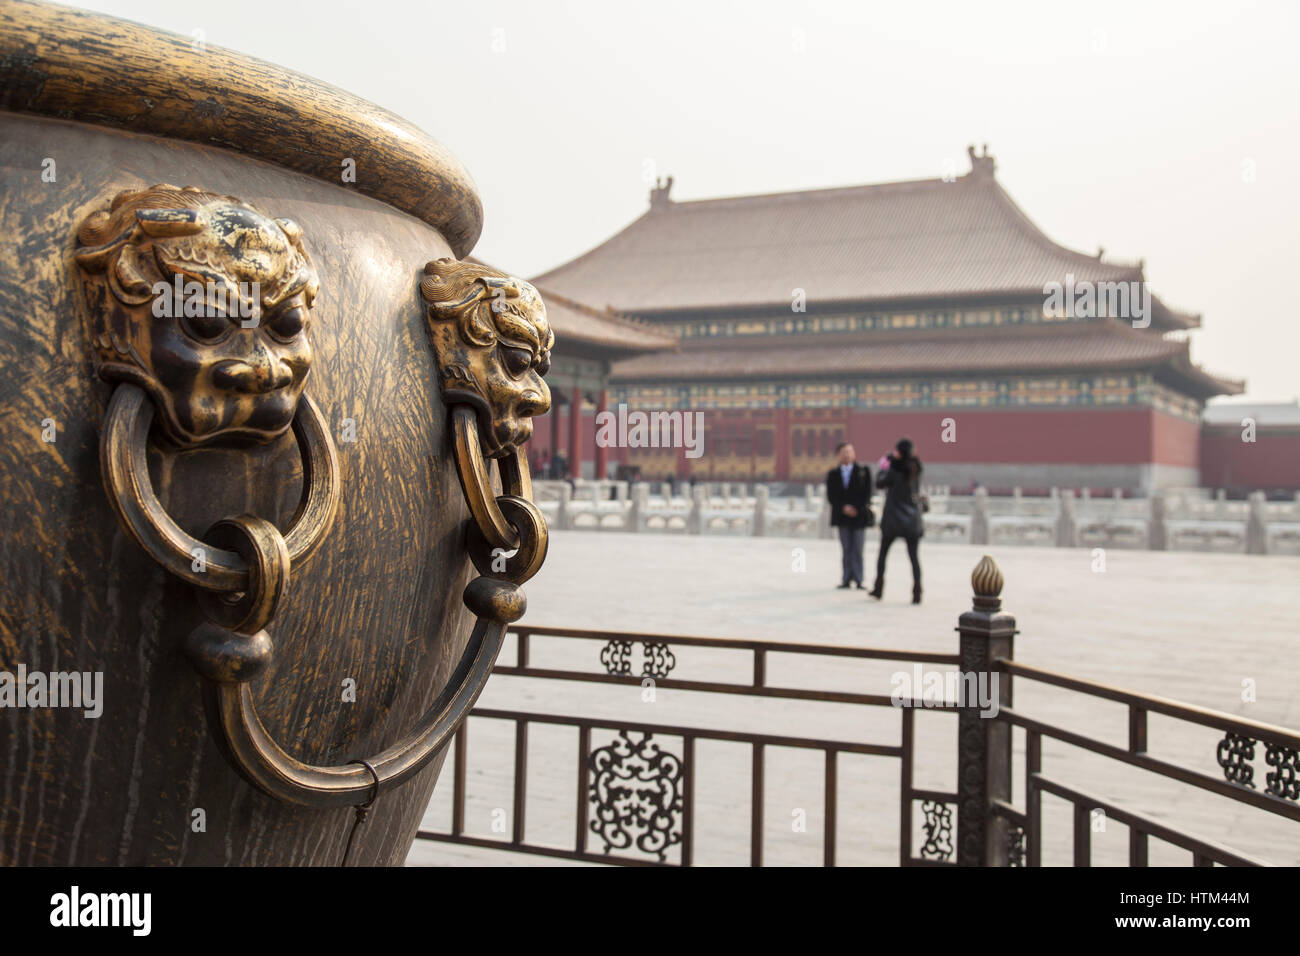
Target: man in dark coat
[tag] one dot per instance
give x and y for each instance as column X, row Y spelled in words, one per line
column 848, row 489
column 900, row 477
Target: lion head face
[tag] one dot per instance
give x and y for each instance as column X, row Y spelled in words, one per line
column 203, row 302
column 493, row 345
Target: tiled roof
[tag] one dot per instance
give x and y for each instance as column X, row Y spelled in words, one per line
column 604, row 330
column 1100, row 344
column 921, row 239
column 574, row 322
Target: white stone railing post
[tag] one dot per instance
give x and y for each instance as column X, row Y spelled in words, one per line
column 636, row 511
column 562, row 516
column 979, row 516
column 1157, row 532
column 1257, row 524
column 1066, row 523
column 699, row 499
column 760, row 511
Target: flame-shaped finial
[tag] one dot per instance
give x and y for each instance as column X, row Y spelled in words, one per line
column 986, row 579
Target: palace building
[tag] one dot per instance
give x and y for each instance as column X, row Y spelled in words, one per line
column 589, row 342
column 872, row 312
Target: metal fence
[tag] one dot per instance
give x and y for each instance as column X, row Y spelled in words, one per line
column 635, row 793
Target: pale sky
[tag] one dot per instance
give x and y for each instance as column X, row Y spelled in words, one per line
column 1163, row 131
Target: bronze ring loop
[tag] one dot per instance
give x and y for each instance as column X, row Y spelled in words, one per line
column 534, row 538
column 374, row 794
column 259, row 543
column 515, row 477
column 472, row 467
column 123, row 459
column 266, row 765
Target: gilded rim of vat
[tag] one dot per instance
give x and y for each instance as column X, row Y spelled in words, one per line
column 75, row 65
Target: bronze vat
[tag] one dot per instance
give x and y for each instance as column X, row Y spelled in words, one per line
column 251, row 401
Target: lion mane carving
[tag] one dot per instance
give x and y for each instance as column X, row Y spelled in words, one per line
column 493, row 345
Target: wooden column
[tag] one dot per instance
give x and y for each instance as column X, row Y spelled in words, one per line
column 555, row 433
column 575, row 433
column 781, row 466
column 602, row 454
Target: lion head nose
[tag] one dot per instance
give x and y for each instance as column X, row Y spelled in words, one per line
column 262, row 373
column 535, row 401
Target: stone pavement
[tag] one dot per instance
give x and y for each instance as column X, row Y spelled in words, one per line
column 1182, row 625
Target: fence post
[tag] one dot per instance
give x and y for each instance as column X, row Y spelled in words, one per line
column 983, row 743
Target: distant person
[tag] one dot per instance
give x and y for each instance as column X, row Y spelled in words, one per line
column 900, row 476
column 848, row 489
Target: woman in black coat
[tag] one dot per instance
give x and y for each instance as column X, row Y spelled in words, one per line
column 901, row 517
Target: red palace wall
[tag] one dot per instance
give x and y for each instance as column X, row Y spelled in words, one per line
column 1093, row 436
column 797, row 444
column 1270, row 463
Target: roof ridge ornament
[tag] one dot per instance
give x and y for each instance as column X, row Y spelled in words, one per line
column 659, row 194
column 982, row 165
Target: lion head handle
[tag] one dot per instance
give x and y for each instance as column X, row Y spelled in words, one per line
column 204, row 303
column 493, row 345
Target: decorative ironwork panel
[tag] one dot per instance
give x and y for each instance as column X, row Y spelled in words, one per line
column 616, row 656
column 1234, row 754
column 636, row 795
column 659, row 660
column 937, row 830
column 1282, row 780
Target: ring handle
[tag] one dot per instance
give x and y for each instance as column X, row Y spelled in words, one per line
column 243, row 737
column 123, row 458
column 247, row 557
column 230, row 661
column 474, row 482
